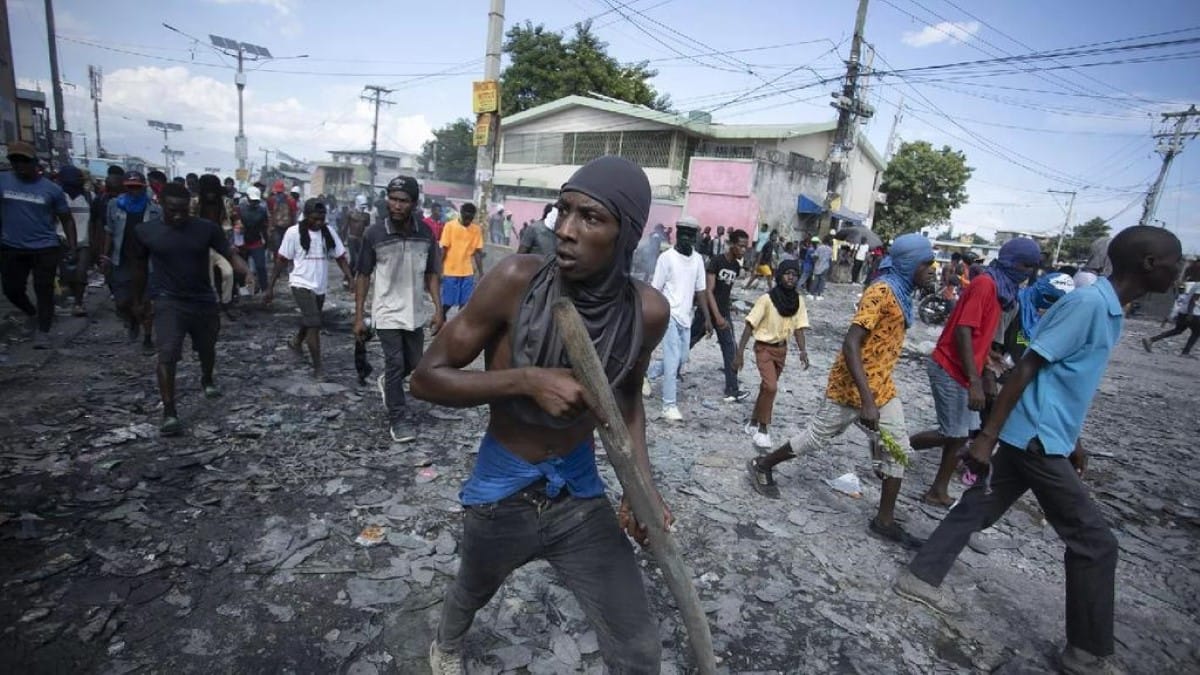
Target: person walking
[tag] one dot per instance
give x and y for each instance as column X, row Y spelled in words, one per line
column 535, row 492
column 254, row 222
column 1030, row 442
column 679, row 275
column 131, row 208
column 171, row 251
column 32, row 208
column 308, row 247
column 721, row 274
column 75, row 270
column 462, row 250
column 822, row 262
column 862, row 389
column 775, row 317
column 1186, row 311
column 406, row 263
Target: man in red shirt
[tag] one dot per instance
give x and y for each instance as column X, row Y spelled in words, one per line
column 956, row 369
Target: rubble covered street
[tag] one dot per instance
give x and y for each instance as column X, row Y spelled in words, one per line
column 284, row 533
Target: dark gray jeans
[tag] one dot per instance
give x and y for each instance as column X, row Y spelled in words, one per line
column 1091, row 557
column 580, row 538
column 402, row 349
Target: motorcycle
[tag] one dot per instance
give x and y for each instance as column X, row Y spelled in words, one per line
column 934, row 307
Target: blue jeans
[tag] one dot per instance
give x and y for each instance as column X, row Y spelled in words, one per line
column 818, row 283
column 258, row 257
column 675, row 344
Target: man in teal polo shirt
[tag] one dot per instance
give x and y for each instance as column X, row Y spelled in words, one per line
column 1036, row 420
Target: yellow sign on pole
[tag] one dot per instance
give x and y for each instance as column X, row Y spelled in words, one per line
column 242, row 175
column 483, row 129
column 485, row 96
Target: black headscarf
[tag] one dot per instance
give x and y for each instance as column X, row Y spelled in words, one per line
column 212, row 208
column 310, row 207
column 610, row 305
column 786, row 301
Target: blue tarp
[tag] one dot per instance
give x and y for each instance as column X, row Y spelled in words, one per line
column 806, row 204
column 850, row 216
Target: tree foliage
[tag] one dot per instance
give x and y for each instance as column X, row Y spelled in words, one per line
column 1078, row 245
column 451, row 152
column 923, row 186
column 546, row 66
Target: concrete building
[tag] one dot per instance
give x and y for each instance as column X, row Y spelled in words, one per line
column 8, row 83
column 349, row 172
column 736, row 175
column 1042, row 238
column 33, row 121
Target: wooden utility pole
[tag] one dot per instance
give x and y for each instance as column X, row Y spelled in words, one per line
column 58, row 140
column 485, row 158
column 1066, row 223
column 375, row 95
column 850, row 109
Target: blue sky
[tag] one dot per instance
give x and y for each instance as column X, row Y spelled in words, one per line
column 1087, row 129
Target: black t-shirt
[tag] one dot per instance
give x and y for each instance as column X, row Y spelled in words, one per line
column 178, row 254
column 726, row 272
column 132, row 220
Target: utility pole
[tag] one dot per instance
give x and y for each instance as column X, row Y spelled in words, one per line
column 96, row 80
column 850, row 109
column 376, row 96
column 485, row 158
column 83, row 138
column 1066, row 223
column 266, row 157
column 1170, row 144
column 166, row 128
column 59, row 137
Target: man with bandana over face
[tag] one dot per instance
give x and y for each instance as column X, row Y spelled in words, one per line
column 956, row 369
column 679, row 275
column 535, row 492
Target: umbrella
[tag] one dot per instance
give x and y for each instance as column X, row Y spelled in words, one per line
column 856, row 234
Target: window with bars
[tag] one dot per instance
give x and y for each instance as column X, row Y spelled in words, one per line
column 648, row 149
column 533, row 149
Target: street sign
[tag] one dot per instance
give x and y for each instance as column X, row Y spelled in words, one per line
column 483, row 129
column 243, row 175
column 485, row 96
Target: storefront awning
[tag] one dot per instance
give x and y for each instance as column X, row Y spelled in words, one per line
column 850, row 216
column 806, row 204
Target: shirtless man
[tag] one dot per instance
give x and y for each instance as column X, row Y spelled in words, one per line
column 535, row 491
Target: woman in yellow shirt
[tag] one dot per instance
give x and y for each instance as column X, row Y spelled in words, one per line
column 775, row 317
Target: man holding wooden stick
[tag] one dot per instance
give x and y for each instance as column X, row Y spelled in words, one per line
column 535, row 491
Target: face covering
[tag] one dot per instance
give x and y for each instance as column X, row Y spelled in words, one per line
column 906, row 254
column 685, row 240
column 609, row 305
column 1038, row 298
column 1005, row 272
column 786, row 300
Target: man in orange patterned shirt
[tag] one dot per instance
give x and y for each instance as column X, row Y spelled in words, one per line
column 861, row 388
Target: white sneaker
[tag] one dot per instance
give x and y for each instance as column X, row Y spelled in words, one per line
column 646, row 391
column 445, row 663
column 672, row 413
column 762, row 440
column 750, row 428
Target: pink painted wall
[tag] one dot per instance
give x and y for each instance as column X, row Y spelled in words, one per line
column 720, row 193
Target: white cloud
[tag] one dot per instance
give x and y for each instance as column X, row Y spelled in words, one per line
column 946, row 31
column 285, row 12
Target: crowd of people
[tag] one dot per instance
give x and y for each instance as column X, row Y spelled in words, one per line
column 1012, row 376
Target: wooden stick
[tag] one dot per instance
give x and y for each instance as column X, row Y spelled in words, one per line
column 638, row 486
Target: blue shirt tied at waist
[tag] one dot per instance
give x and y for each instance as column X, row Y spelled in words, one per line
column 500, row 474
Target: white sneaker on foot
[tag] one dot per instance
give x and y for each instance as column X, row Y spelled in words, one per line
column 672, row 413
column 762, row 440
column 445, row 663
column 646, row 391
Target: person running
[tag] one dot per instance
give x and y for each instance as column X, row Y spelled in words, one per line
column 434, row 220
column 462, row 246
column 405, row 259
column 32, row 208
column 720, row 276
column 679, row 275
column 171, row 250
column 535, row 492
column 956, row 367
column 1186, row 311
column 764, row 263
column 253, row 223
column 861, row 387
column 308, row 247
column 132, row 207
column 775, row 317
column 75, row 272
column 538, row 237
column 1036, row 422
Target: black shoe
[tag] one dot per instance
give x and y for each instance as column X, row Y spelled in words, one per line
column 134, row 330
column 762, row 480
column 403, row 432
column 148, row 347
column 895, row 533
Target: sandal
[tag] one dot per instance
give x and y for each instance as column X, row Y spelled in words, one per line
column 762, row 480
column 171, row 426
column 895, row 533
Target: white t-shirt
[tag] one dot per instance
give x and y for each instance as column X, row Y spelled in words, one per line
column 861, row 251
column 81, row 212
column 310, row 270
column 679, row 278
